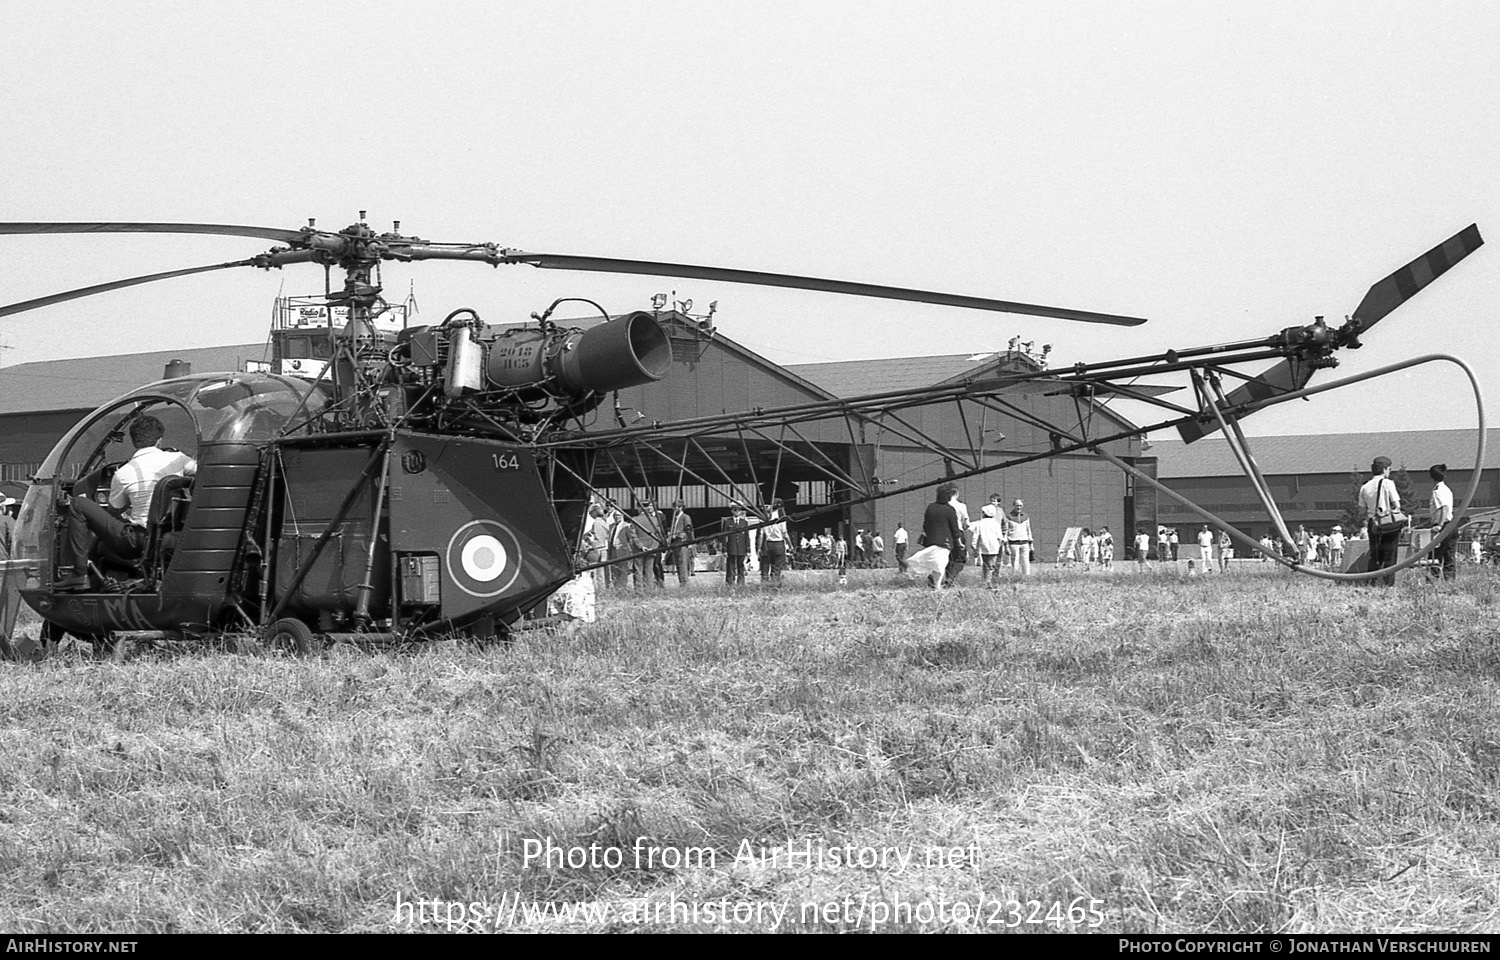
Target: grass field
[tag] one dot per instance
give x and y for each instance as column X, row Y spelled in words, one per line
column 1248, row 752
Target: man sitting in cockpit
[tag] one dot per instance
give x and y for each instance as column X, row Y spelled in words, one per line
column 121, row 532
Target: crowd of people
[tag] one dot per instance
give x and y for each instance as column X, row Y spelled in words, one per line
column 637, row 546
column 1095, row 548
column 633, row 549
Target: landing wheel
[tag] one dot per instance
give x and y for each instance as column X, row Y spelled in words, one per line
column 290, row 635
column 106, row 646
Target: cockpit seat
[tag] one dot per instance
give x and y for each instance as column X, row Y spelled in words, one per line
column 169, row 506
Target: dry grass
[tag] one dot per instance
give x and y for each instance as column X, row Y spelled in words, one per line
column 1236, row 753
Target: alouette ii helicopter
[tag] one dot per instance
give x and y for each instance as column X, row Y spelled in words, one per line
column 437, row 478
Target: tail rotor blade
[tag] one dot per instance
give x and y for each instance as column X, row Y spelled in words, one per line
column 1284, row 377
column 1401, row 286
column 1383, row 297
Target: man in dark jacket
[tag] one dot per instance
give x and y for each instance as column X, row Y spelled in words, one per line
column 736, row 546
column 959, row 555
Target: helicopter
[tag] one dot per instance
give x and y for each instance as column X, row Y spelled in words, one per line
column 416, row 480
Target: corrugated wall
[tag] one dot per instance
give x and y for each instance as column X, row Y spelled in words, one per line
column 27, row 438
column 1066, row 491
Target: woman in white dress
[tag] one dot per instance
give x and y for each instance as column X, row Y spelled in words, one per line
column 940, row 533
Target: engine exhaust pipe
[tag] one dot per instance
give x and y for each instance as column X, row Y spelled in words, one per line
column 624, row 352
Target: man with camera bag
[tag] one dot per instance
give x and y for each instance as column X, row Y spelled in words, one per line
column 1380, row 505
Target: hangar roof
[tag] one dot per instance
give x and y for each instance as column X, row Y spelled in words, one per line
column 1326, row 453
column 83, row 384
column 850, row 378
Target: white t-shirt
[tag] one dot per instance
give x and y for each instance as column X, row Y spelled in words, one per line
column 963, row 513
column 1371, row 501
column 900, row 536
column 775, row 532
column 136, row 480
column 1442, row 504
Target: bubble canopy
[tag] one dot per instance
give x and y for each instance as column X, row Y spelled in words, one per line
column 199, row 409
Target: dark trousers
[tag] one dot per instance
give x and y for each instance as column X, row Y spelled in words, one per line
column 1383, row 547
column 955, row 567
column 734, row 569
column 901, row 557
column 1447, row 565
column 773, row 558
column 119, row 540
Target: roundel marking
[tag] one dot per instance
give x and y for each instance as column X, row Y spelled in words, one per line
column 484, row 558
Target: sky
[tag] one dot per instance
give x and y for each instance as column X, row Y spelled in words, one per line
column 1224, row 170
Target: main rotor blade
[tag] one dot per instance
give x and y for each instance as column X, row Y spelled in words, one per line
column 553, row 261
column 1383, row 297
column 211, row 229
column 47, row 301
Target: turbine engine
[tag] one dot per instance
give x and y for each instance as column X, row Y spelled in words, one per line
column 470, row 359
